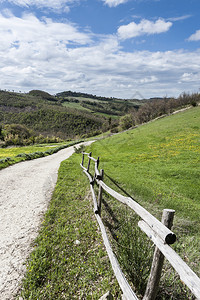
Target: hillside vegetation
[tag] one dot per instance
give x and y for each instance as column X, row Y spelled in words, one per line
column 44, row 114
column 38, row 117
column 162, row 153
column 110, row 107
column 158, row 165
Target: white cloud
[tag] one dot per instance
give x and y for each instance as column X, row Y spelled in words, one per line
column 30, row 30
column 55, row 5
column 181, row 18
column 149, row 79
column 189, row 77
column 114, row 3
column 195, row 36
column 53, row 56
column 144, row 27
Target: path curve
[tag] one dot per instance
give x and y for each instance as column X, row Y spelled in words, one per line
column 25, row 191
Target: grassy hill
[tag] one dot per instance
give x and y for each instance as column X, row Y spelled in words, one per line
column 45, row 115
column 161, row 160
column 158, row 165
column 107, row 106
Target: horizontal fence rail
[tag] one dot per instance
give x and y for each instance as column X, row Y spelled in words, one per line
column 160, row 234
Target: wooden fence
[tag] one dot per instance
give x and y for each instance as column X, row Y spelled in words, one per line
column 158, row 232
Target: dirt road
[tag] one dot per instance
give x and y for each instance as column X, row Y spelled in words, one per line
column 25, row 191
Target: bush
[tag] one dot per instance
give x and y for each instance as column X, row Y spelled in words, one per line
column 194, row 103
column 79, row 149
column 126, row 122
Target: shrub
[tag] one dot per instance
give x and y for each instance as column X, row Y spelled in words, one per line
column 126, row 122
column 79, row 149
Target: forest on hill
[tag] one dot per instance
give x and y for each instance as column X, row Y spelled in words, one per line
column 37, row 116
column 109, row 106
column 25, row 116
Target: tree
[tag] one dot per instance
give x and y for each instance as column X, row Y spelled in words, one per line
column 126, row 122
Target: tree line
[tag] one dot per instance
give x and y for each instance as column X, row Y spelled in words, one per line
column 156, row 108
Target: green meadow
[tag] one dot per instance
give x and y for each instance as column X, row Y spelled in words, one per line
column 13, row 155
column 14, row 151
column 158, row 165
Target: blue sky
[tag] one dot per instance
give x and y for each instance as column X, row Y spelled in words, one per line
column 105, row 47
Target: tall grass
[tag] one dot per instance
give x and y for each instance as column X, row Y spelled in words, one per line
column 158, row 165
column 69, row 260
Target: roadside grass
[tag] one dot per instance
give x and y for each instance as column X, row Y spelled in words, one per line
column 158, row 165
column 69, row 260
column 13, row 151
column 13, row 155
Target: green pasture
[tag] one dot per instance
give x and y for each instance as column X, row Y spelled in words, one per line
column 13, row 151
column 75, row 106
column 158, row 163
column 13, row 155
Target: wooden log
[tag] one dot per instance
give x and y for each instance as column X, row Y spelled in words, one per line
column 92, row 191
column 88, row 167
column 82, row 159
column 100, row 193
column 98, row 176
column 89, row 176
column 83, row 168
column 165, row 234
column 92, row 158
column 125, row 287
column 187, row 276
column 96, row 209
column 158, row 259
column 107, row 296
column 98, row 159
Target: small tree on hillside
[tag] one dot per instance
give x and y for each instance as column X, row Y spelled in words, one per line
column 126, row 122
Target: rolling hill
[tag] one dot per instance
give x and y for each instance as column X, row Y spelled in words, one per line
column 45, row 115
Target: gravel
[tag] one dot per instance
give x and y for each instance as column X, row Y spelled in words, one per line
column 25, row 192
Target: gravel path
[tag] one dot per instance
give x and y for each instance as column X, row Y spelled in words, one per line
column 25, row 191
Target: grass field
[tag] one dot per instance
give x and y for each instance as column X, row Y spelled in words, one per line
column 158, row 162
column 75, row 106
column 13, row 151
column 12, row 155
column 69, row 260
column 80, row 107
column 158, row 165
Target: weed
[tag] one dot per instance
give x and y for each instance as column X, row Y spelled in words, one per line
column 80, row 149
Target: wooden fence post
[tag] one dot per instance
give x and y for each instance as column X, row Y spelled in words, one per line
column 89, row 155
column 83, row 159
column 100, row 193
column 158, row 259
column 97, row 162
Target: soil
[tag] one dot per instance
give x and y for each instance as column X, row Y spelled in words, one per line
column 25, row 192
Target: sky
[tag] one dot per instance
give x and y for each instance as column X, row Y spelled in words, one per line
column 112, row 48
